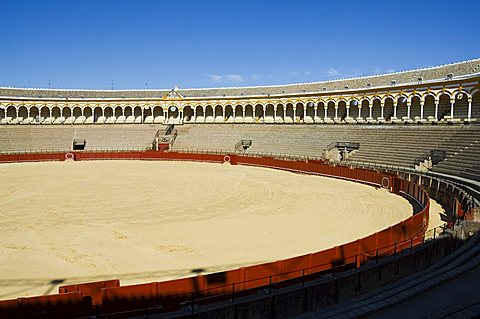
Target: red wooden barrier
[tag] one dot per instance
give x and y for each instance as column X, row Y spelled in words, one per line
column 393, row 239
column 92, row 289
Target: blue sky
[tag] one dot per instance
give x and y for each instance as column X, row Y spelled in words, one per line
column 159, row 44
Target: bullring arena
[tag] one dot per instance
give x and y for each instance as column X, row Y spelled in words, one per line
column 236, row 202
column 226, row 217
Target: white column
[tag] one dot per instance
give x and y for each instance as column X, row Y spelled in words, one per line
column 381, row 106
column 294, row 113
column 165, row 116
column 284, row 113
column 348, row 112
column 359, row 111
column 263, row 117
column 370, row 106
column 452, row 102
column 304, row 112
column 408, row 109
column 274, row 113
column 223, row 112
column 315, row 110
column 234, row 112
column 194, row 114
column 336, row 111
column 469, row 108
column 421, row 109
column 394, row 110
column 325, row 109
column 243, row 111
column 436, row 108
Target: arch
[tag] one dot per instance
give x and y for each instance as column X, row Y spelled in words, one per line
column 173, row 114
column 279, row 114
column 376, row 109
column 444, row 105
column 415, row 107
column 148, row 114
column 66, row 112
column 402, row 108
column 269, row 114
column 56, row 112
column 299, row 112
column 157, row 111
column 127, row 111
column 248, row 114
column 88, row 114
column 11, row 112
column 98, row 115
column 44, row 114
column 158, row 114
column 87, row 111
column 238, row 113
column 365, row 111
column 289, row 113
column 429, row 106
column 188, row 114
column 77, row 112
column 342, row 110
column 34, row 114
column 330, row 110
column 388, row 109
column 310, row 113
column 78, row 116
column 461, row 106
column 259, row 113
column 108, row 112
column 3, row 114
column 199, row 114
column 229, row 115
column 118, row 111
column 209, row 117
column 354, row 108
column 218, row 113
column 137, row 115
column 22, row 112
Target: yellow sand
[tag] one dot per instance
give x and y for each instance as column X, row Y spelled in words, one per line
column 142, row 221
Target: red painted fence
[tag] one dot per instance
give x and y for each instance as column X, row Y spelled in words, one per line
column 170, row 294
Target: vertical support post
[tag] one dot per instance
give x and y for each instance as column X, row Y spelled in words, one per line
column 469, row 108
column 452, row 102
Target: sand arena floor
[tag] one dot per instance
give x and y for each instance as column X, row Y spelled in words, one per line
column 142, row 221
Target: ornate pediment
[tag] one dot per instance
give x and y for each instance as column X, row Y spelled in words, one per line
column 173, row 95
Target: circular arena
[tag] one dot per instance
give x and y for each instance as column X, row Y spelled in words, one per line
column 97, row 220
column 235, row 202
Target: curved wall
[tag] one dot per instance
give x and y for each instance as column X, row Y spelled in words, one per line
column 171, row 295
column 448, row 93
